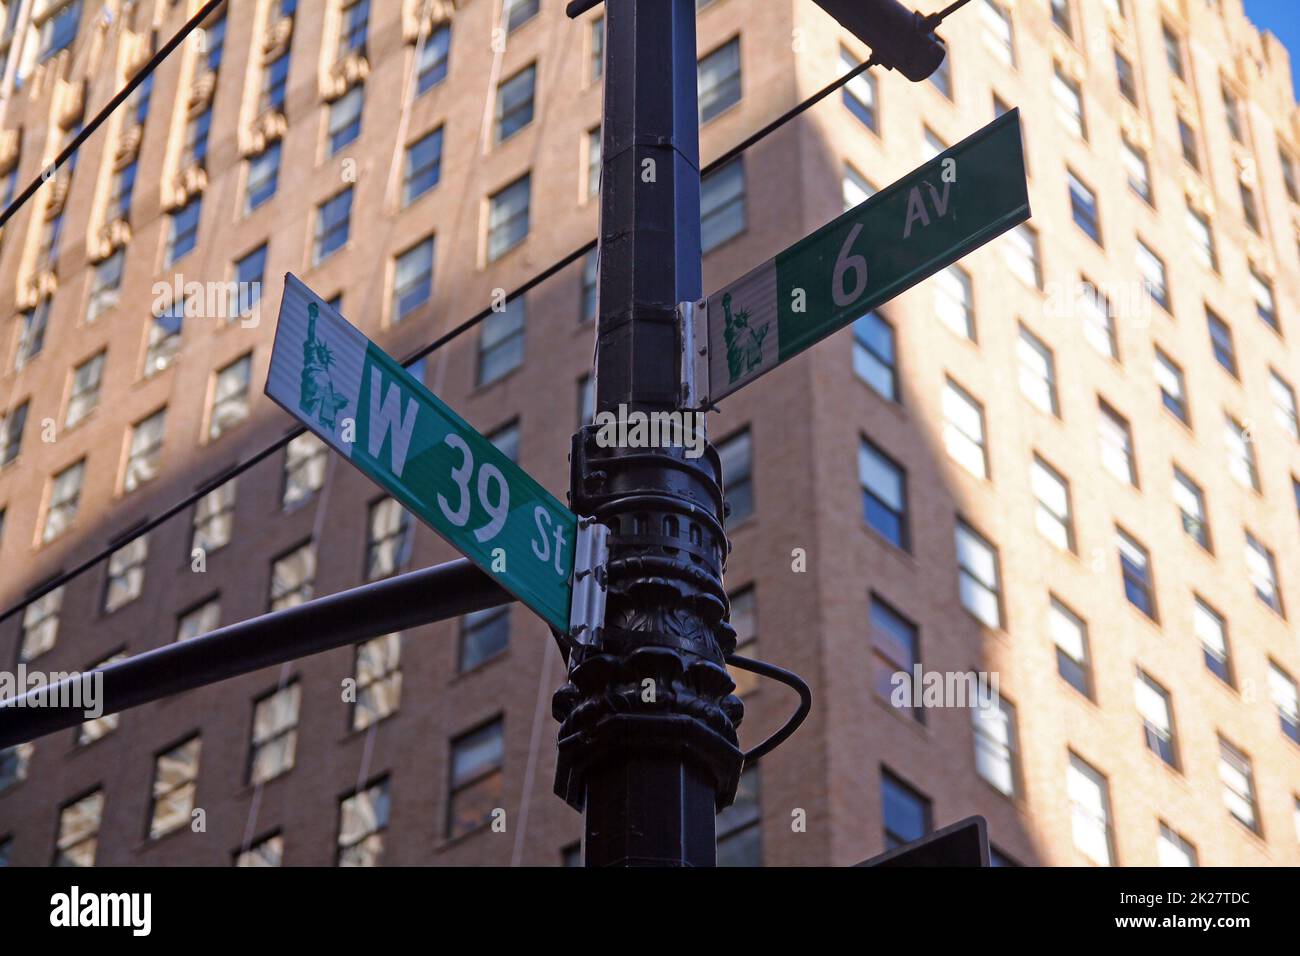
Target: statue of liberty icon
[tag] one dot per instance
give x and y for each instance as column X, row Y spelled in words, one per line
column 317, row 395
column 744, row 343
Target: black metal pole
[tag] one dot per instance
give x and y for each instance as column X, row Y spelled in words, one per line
column 408, row 600
column 647, row 738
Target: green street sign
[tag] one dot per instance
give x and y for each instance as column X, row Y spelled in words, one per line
column 367, row 407
column 964, row 197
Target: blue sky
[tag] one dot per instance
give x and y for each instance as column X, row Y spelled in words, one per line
column 1283, row 18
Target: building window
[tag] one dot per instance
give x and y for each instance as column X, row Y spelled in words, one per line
column 268, row 851
column 1241, row 453
column 593, row 161
column 31, row 336
column 230, row 397
column 125, row 579
column 722, row 205
column 355, row 25
column 1037, row 371
column 1083, row 206
column 1052, row 513
column 1221, row 343
column 1282, row 689
column 106, row 286
column 999, row 36
column 58, row 31
column 860, row 93
column 586, row 400
column 963, row 429
column 11, row 433
column 333, row 221
column 857, row 189
column 304, row 468
column 379, row 680
column 995, row 744
column 514, row 109
column 896, row 650
column 1089, row 811
column 1061, row 17
column 78, row 836
column 412, row 279
column 1069, row 103
column 506, row 440
column 1173, row 387
column 1212, row 631
column 501, row 342
column 389, row 533
column 736, row 454
column 1249, row 208
column 1262, row 569
column 1116, row 442
column 1203, row 239
column 597, row 51
column 175, row 780
column 164, row 339
column 1135, row 571
column 1191, row 507
column 953, row 303
column 1232, row 113
column 1173, row 51
column 1070, row 635
column 590, row 273
column 884, row 494
column 1020, row 251
column 905, row 811
column 40, row 626
column 1284, row 404
column 423, row 166
column 292, row 577
column 345, row 119
column 13, row 765
column 432, row 63
column 138, row 103
column 875, row 359
column 97, row 727
column 1173, row 850
column 184, row 234
column 979, row 578
column 719, row 79
column 65, row 499
column 214, row 41
column 275, row 733
column 519, row 12
column 743, row 618
column 1265, row 305
column 145, row 450
column 195, row 149
column 933, row 145
column 263, row 176
column 84, row 397
column 1137, row 170
column 1152, row 268
column 199, row 620
column 250, row 271
column 477, row 778
column 1238, row 779
column 1289, row 178
column 942, row 76
column 1157, row 717
column 1126, row 78
column 363, row 818
column 508, row 217
column 214, row 518
column 739, row 836
column 483, row 635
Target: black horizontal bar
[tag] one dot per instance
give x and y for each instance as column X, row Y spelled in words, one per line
column 577, row 8
column 382, row 607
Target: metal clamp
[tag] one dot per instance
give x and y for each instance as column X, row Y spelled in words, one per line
column 693, row 325
column 590, row 559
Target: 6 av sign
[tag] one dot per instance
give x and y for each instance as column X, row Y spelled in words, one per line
column 368, row 408
column 961, row 199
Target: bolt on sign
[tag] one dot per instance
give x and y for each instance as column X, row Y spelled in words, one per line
column 371, row 410
column 964, row 197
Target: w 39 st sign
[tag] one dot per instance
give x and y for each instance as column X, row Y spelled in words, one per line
column 367, row 407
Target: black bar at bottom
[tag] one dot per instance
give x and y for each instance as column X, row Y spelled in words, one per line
column 408, row 600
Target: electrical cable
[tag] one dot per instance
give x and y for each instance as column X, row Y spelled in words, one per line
column 791, row 680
